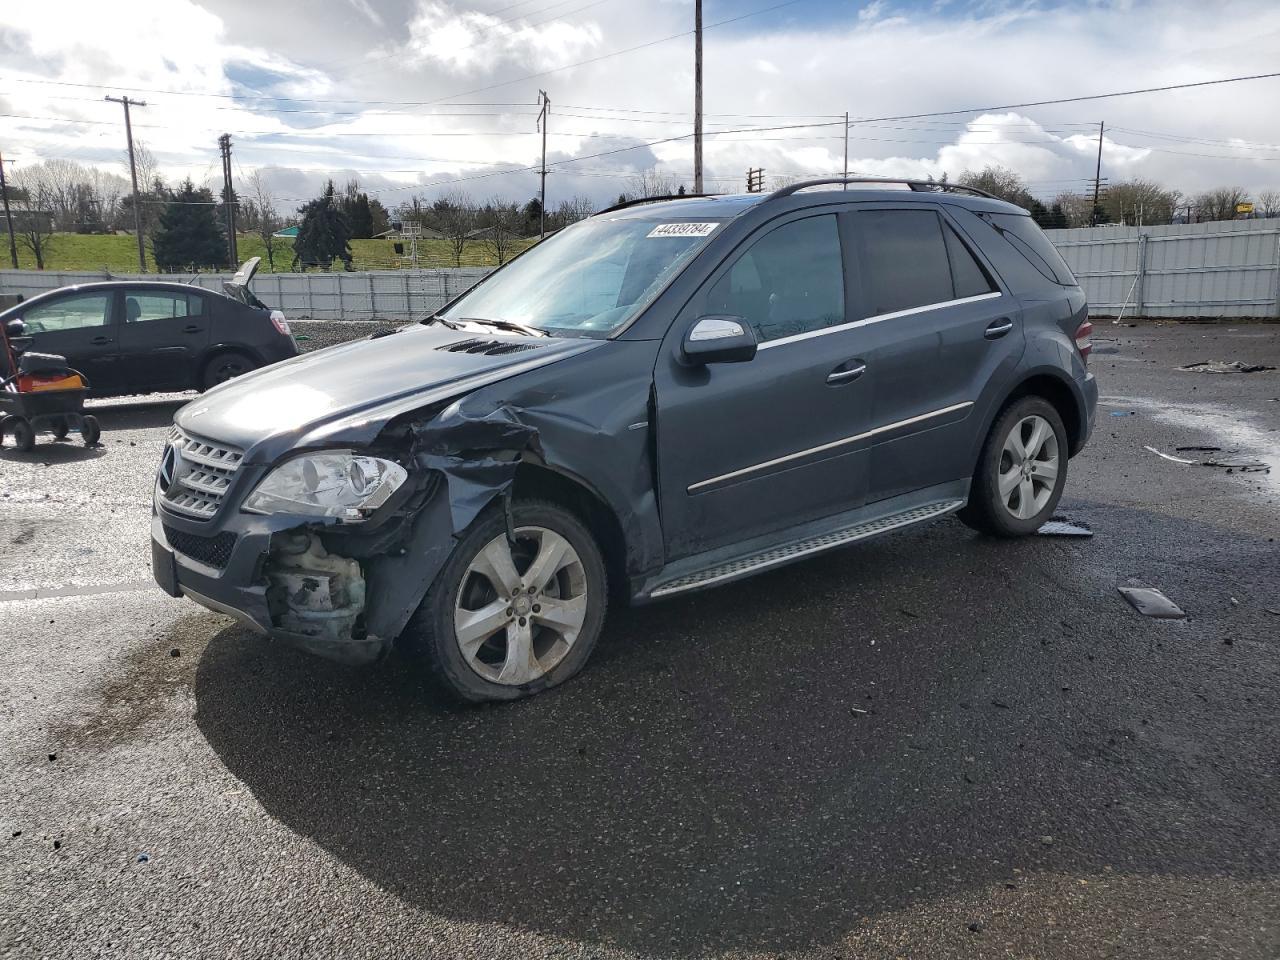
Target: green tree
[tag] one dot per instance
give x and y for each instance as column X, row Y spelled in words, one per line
column 324, row 235
column 188, row 235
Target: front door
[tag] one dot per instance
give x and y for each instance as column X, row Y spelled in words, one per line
column 162, row 338
column 747, row 449
column 82, row 328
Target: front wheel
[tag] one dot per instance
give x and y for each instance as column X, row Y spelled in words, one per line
column 505, row 620
column 1021, row 471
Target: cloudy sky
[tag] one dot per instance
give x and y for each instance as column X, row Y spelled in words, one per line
column 417, row 96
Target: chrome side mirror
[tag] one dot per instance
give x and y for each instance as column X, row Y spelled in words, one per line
column 719, row 339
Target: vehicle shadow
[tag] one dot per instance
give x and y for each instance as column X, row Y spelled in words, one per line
column 48, row 450
column 761, row 766
column 143, row 415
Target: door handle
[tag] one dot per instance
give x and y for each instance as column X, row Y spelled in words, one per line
column 100, row 341
column 192, row 328
column 998, row 328
column 845, row 373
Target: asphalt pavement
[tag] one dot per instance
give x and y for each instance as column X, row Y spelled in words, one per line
column 932, row 745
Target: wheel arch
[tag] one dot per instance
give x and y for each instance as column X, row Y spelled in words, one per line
column 1056, row 389
column 536, row 479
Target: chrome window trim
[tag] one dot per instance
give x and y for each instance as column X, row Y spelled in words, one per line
column 877, row 319
column 733, row 474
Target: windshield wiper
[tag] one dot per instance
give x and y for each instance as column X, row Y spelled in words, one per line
column 439, row 319
column 508, row 325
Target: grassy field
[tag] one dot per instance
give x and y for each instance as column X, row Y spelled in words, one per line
column 119, row 254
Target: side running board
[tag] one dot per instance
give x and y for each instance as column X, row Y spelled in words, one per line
column 778, row 556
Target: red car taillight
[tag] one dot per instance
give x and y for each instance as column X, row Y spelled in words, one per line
column 280, row 322
column 1084, row 340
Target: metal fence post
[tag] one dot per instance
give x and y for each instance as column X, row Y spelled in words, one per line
column 373, row 299
column 1139, row 298
column 408, row 304
column 1276, row 312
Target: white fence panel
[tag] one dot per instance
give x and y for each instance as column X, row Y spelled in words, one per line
column 368, row 295
column 1224, row 269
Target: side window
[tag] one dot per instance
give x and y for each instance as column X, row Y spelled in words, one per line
column 904, row 261
column 1028, row 239
column 970, row 279
column 160, row 305
column 790, row 281
column 68, row 313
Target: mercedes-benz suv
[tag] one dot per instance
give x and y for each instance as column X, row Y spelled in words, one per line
column 664, row 397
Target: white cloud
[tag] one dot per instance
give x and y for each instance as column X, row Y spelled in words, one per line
column 769, row 71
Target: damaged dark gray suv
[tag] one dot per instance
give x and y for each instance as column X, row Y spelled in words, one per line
column 667, row 396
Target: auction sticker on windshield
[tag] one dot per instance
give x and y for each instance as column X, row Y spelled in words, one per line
column 682, row 230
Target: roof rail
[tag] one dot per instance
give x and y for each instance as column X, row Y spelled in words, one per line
column 922, row 186
column 640, row 200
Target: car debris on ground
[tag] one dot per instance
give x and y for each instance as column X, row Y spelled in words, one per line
column 1229, row 463
column 1150, row 602
column 1064, row 527
column 1225, row 366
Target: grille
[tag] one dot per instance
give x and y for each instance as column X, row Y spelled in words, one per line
column 195, row 474
column 490, row 348
column 214, row 551
column 801, row 548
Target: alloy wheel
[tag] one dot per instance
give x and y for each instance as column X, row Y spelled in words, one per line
column 520, row 606
column 1029, row 463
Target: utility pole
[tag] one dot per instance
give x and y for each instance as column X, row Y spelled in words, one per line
column 543, row 116
column 228, row 198
column 133, row 175
column 845, row 186
column 8, row 217
column 1097, row 176
column 697, row 96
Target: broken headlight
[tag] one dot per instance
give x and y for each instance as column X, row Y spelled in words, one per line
column 335, row 483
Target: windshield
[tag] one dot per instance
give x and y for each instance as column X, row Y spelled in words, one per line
column 588, row 279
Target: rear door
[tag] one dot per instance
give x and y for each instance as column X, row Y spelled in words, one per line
column 939, row 331
column 162, row 337
column 81, row 327
column 746, row 449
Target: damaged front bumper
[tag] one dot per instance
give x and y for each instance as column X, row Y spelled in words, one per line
column 338, row 592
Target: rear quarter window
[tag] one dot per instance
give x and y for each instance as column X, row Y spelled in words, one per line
column 1029, row 240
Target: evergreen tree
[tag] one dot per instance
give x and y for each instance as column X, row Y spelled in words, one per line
column 324, row 233
column 532, row 216
column 188, row 234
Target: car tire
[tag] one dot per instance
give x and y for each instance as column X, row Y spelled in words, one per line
column 1021, row 471
column 225, row 366
column 480, row 618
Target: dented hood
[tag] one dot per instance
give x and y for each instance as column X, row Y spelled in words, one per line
column 347, row 393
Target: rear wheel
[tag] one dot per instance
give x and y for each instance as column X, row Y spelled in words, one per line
column 24, row 435
column 1021, row 471
column 60, row 428
column 506, row 620
column 225, row 366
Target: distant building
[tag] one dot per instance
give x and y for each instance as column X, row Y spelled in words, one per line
column 26, row 217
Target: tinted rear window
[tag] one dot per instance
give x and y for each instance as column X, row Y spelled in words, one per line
column 904, row 260
column 1029, row 240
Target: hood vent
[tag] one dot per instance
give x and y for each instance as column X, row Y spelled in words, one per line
column 490, row 348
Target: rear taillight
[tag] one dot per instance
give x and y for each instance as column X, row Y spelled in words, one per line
column 1084, row 340
column 280, row 322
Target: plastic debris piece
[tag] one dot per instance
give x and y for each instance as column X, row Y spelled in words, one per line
column 1230, row 463
column 1124, row 413
column 1198, row 449
column 144, row 857
column 1150, row 602
column 1064, row 527
column 1225, row 366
